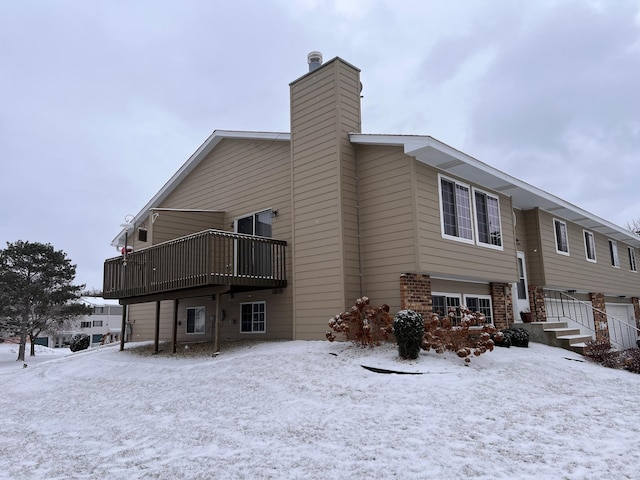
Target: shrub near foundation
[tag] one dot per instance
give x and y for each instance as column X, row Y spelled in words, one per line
column 408, row 328
column 363, row 324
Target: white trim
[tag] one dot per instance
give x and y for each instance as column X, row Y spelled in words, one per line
column 432, row 152
column 265, row 317
column 555, row 236
column 475, row 216
column 209, row 144
column 482, row 297
column 614, row 255
column 186, row 320
column 633, row 266
column 442, row 230
column 586, row 249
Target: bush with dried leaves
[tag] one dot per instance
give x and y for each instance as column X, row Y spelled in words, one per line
column 442, row 335
column 363, row 324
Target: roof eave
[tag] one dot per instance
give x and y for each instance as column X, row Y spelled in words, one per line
column 524, row 196
column 209, row 144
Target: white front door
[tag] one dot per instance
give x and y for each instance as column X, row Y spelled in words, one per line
column 519, row 289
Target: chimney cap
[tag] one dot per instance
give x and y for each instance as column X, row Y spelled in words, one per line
column 314, row 59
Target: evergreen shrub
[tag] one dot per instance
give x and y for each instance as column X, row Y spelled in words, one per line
column 408, row 328
column 79, row 341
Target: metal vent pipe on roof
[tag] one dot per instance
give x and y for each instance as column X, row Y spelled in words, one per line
column 315, row 60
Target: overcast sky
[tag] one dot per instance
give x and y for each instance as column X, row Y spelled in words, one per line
column 101, row 102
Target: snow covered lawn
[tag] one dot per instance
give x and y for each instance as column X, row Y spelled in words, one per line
column 308, row 410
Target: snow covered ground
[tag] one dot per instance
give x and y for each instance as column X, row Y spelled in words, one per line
column 308, row 410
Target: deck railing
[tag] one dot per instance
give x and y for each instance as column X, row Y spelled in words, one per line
column 210, row 257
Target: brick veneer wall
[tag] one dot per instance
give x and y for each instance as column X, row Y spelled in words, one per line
column 536, row 304
column 636, row 310
column 502, row 304
column 600, row 319
column 415, row 293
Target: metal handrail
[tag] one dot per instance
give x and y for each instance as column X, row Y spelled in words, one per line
column 573, row 308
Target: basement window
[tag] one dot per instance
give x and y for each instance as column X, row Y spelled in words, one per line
column 253, row 317
column 195, row 320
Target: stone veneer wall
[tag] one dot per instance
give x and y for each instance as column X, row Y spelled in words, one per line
column 415, row 293
column 600, row 317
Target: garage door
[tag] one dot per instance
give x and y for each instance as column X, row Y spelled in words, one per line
column 621, row 325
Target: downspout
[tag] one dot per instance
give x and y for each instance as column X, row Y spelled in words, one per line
column 360, row 272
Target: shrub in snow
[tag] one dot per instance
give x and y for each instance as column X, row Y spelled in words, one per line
column 518, row 337
column 362, row 324
column 621, row 359
column 408, row 327
column 597, row 350
column 441, row 334
column 79, row 341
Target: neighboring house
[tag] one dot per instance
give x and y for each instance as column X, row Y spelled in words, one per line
column 272, row 234
column 103, row 325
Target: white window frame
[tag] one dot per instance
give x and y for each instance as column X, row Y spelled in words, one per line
column 253, row 320
column 86, row 324
column 97, row 323
column 469, row 206
column 448, row 295
column 613, row 253
column 480, row 297
column 587, row 234
column 476, row 223
column 563, row 224
column 197, row 329
column 632, row 259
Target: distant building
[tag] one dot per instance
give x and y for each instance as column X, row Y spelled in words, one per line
column 102, row 326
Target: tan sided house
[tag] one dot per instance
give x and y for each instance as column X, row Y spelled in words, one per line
column 269, row 235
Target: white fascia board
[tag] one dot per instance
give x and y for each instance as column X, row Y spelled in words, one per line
column 209, row 144
column 446, row 158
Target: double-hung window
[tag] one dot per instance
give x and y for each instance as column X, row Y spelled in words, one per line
column 488, row 219
column 632, row 260
column 455, row 201
column 195, row 320
column 445, row 303
column 480, row 303
column 590, row 246
column 562, row 239
column 253, row 317
column 464, row 210
column 613, row 251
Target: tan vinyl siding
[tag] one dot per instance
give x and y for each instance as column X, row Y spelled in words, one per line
column 239, row 177
column 171, row 224
column 574, row 272
column 386, row 215
column 533, row 256
column 450, row 258
column 325, row 107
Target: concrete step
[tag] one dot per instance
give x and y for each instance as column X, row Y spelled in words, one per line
column 575, row 338
column 563, row 331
